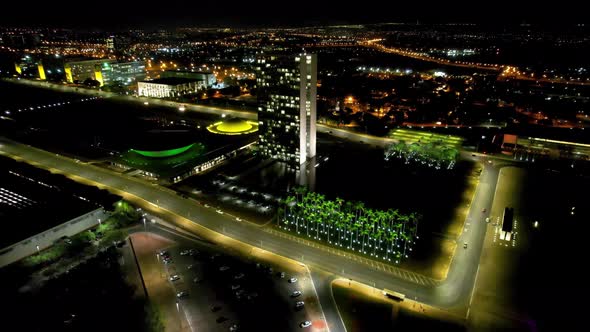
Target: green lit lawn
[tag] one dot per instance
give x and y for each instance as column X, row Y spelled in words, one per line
column 414, row 136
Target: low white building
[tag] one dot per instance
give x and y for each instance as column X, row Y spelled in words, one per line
column 168, row 87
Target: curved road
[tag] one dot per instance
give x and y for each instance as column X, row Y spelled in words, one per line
column 454, row 293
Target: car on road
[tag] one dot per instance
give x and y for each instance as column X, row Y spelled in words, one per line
column 488, row 219
column 224, row 268
column 299, row 304
column 465, row 245
column 182, row 294
column 184, row 253
column 192, row 252
column 174, row 277
column 296, row 293
column 197, row 280
column 190, row 267
column 206, row 205
column 239, row 276
column 305, row 324
column 219, row 211
column 234, row 287
column 234, row 328
column 282, row 274
column 292, row 280
column 167, row 260
column 164, row 253
column 484, row 210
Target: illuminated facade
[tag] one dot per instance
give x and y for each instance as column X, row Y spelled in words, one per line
column 168, row 87
column 287, row 91
column 105, row 71
column 86, row 69
column 110, row 44
column 123, row 72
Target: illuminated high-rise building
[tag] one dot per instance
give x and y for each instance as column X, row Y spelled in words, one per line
column 287, row 91
column 110, row 44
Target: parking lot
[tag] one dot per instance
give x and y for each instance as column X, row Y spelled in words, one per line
column 217, row 290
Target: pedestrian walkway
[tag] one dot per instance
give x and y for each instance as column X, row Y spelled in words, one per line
column 375, row 265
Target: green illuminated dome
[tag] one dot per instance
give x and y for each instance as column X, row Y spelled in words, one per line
column 163, row 153
column 233, row 127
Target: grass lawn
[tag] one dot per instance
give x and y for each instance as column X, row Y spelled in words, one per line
column 415, row 136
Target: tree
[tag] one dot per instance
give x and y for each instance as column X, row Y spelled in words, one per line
column 154, row 320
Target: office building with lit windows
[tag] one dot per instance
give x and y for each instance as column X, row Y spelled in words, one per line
column 79, row 71
column 287, row 90
column 123, row 72
column 105, row 71
column 168, row 87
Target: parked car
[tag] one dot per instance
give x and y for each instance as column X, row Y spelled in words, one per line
column 305, row 324
column 224, row 268
column 292, row 280
column 184, row 253
column 239, row 276
column 296, row 293
column 182, row 294
column 299, row 304
column 174, row 277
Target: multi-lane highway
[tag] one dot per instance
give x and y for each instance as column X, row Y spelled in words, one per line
column 453, row 293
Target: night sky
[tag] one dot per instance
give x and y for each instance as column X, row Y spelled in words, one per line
column 111, row 14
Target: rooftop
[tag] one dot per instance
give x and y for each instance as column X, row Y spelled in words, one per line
column 171, row 81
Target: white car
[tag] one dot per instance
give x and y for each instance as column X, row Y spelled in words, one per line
column 224, row 268
column 181, row 294
column 299, row 304
column 239, row 276
column 296, row 293
column 174, row 277
column 305, row 324
column 292, row 280
column 184, row 253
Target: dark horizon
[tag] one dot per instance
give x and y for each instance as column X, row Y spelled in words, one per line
column 111, row 15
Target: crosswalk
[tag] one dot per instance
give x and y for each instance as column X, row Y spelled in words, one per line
column 395, row 271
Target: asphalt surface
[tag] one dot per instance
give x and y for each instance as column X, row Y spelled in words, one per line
column 452, row 293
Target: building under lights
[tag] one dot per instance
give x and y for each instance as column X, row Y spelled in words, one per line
column 86, row 69
column 168, row 87
column 105, row 71
column 287, row 90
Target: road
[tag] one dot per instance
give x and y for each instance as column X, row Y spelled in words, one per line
column 453, row 293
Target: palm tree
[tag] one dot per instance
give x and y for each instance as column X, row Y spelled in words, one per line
column 360, row 208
